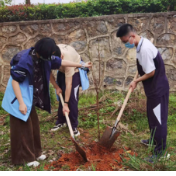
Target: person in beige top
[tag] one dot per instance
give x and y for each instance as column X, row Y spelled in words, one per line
column 68, row 82
column 69, row 54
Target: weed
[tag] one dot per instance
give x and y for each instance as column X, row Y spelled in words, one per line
column 41, row 167
column 65, row 168
column 160, row 164
column 93, row 168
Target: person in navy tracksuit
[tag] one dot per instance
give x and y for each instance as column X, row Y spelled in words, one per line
column 69, row 79
column 32, row 67
column 151, row 69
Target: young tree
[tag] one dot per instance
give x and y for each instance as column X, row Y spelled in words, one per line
column 28, row 2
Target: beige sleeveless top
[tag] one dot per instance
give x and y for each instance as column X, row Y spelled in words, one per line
column 69, row 54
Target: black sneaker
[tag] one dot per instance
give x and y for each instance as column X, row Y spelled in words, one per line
column 76, row 132
column 148, row 142
column 59, row 126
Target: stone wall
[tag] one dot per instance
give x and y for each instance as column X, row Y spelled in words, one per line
column 95, row 39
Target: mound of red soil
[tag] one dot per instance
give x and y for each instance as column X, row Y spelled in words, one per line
column 99, row 157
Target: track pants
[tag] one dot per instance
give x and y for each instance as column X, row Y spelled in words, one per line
column 157, row 113
column 73, row 102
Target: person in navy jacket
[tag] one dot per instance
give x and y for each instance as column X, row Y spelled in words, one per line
column 28, row 87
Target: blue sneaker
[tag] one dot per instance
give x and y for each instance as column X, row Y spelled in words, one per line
column 148, row 142
column 155, row 158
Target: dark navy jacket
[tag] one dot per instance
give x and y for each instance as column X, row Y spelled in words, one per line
column 22, row 68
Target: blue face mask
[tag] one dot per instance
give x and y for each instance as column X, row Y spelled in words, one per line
column 128, row 45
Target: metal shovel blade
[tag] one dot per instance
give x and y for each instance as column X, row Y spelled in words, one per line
column 79, row 149
column 108, row 138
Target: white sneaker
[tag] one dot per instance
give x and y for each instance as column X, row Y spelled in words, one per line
column 33, row 163
column 59, row 126
column 165, row 157
column 42, row 157
column 76, row 132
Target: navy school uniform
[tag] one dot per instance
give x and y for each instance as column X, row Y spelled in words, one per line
column 73, row 101
column 79, row 79
column 156, row 89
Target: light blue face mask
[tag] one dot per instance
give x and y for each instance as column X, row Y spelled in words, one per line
column 129, row 45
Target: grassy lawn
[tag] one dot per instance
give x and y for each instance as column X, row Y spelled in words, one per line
column 54, row 144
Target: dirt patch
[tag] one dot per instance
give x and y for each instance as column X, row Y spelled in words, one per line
column 99, row 159
column 138, row 104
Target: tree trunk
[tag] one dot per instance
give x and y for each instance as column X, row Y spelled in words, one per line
column 28, row 2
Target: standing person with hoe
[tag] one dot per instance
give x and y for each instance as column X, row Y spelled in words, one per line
column 68, row 83
column 28, row 86
column 151, row 68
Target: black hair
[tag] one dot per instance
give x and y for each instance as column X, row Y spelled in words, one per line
column 45, row 47
column 58, row 52
column 124, row 30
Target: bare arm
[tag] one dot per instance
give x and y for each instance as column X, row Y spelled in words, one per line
column 53, row 82
column 68, row 83
column 133, row 84
column 66, row 63
column 145, row 77
column 17, row 91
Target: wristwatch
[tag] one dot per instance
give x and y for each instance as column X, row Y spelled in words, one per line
column 66, row 102
column 83, row 64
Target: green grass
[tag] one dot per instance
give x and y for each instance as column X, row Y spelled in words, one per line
column 54, row 144
column 85, row 100
column 139, row 164
column 2, row 112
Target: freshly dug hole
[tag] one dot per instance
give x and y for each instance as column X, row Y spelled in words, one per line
column 99, row 157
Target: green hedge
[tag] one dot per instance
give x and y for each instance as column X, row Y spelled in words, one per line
column 83, row 9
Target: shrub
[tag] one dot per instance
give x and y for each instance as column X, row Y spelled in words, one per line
column 83, row 9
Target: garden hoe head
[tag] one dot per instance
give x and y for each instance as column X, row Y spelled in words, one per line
column 79, row 149
column 109, row 136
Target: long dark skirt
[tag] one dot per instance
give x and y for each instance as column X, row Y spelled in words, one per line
column 25, row 139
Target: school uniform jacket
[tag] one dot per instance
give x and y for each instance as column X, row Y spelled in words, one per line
column 22, row 72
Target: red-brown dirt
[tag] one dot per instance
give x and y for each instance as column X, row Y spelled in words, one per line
column 99, row 157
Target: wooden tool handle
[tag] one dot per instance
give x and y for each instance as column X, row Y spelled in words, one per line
column 125, row 102
column 67, row 117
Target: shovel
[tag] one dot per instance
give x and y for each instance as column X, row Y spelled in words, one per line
column 111, row 134
column 78, row 148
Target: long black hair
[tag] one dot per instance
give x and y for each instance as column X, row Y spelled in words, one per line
column 45, row 47
column 58, row 52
